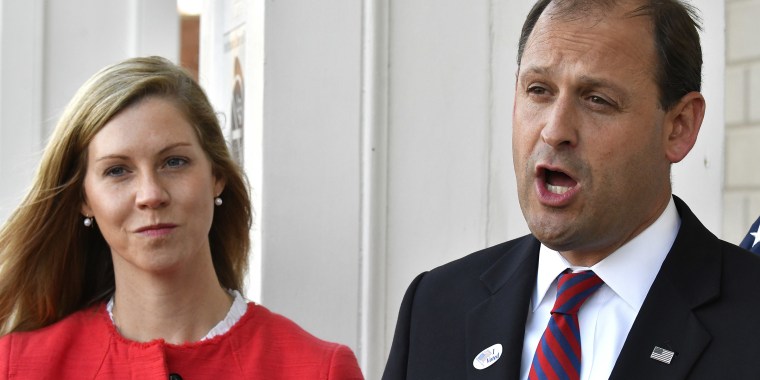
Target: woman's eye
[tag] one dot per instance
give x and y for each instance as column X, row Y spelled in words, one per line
column 116, row 171
column 175, row 162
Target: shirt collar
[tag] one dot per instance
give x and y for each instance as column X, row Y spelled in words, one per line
column 629, row 271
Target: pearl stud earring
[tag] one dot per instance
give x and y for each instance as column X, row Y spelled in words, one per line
column 87, row 221
column 218, row 201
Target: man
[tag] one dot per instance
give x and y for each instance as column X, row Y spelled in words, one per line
column 607, row 98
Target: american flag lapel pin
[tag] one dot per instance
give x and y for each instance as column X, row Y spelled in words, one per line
column 662, row 355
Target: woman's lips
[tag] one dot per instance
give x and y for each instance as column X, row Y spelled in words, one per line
column 156, row 230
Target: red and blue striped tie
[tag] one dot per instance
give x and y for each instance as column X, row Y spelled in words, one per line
column 558, row 355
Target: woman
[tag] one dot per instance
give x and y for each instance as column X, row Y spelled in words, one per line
column 127, row 257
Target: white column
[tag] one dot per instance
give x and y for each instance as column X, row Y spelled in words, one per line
column 439, row 138
column 505, row 219
column 21, row 73
column 153, row 28
column 312, row 165
column 374, row 186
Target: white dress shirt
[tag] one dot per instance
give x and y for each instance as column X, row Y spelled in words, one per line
column 607, row 316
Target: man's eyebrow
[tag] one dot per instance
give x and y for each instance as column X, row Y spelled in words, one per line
column 594, row 82
column 599, row 82
column 585, row 79
column 533, row 69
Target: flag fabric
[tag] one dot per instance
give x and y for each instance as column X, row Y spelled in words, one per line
column 751, row 242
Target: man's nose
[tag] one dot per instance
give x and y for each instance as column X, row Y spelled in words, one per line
column 561, row 125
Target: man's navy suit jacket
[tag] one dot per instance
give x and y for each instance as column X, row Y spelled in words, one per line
column 704, row 305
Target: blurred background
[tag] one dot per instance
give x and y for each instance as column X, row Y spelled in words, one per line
column 375, row 133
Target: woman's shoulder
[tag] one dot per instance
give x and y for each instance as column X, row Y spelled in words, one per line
column 82, row 324
column 261, row 323
column 75, row 336
column 284, row 342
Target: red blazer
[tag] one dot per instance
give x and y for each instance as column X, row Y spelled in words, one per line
column 86, row 345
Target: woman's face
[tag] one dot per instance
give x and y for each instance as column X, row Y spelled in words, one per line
column 150, row 187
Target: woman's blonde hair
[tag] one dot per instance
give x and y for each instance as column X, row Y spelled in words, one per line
column 51, row 265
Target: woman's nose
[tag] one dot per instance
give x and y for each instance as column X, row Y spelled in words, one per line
column 151, row 193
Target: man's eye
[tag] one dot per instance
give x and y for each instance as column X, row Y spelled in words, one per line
column 537, row 90
column 598, row 100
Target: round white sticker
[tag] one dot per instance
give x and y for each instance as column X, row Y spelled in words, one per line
column 487, row 357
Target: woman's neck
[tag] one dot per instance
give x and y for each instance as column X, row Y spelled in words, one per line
column 177, row 309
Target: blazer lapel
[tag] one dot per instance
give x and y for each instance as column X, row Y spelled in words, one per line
column 689, row 277
column 500, row 319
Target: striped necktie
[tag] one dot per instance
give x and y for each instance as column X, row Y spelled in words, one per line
column 558, row 355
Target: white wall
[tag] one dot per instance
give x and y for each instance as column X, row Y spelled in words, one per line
column 391, row 153
column 83, row 36
column 20, row 97
column 48, row 49
column 311, row 169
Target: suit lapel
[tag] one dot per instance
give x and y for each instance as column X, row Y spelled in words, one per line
column 500, row 319
column 689, row 277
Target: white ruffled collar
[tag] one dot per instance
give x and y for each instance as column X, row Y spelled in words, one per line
column 237, row 310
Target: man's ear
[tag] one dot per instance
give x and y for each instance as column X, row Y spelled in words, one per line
column 682, row 125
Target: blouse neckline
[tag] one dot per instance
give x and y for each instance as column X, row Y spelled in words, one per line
column 236, row 312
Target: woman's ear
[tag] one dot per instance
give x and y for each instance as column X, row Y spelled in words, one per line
column 682, row 125
column 86, row 210
column 219, row 184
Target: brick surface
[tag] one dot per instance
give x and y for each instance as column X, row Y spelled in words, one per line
column 735, row 95
column 742, row 30
column 741, row 198
column 735, row 205
column 754, row 93
column 743, row 158
column 740, row 210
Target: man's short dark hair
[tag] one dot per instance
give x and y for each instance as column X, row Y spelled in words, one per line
column 676, row 28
